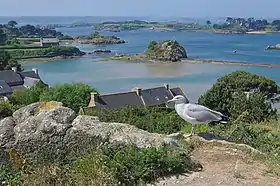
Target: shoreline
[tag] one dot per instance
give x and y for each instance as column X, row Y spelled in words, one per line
column 47, row 59
column 140, row 58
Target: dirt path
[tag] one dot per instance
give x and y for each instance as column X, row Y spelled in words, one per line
column 224, row 166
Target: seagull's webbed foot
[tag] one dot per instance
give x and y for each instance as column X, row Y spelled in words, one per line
column 187, row 135
column 192, row 132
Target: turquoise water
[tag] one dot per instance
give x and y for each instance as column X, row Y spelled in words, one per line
column 193, row 78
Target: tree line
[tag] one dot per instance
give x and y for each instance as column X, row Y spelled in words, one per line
column 249, row 24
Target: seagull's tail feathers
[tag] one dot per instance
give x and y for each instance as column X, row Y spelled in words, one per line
column 224, row 120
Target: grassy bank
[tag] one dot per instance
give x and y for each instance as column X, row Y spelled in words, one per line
column 48, row 52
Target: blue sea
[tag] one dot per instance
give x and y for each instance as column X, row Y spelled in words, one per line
column 194, row 79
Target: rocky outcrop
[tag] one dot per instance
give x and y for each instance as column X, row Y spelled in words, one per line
column 167, row 50
column 276, row 47
column 50, row 123
column 100, row 51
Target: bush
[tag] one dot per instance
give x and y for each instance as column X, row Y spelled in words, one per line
column 154, row 119
column 6, row 109
column 221, row 96
column 26, row 97
column 74, row 95
column 133, row 165
column 9, row 176
column 253, row 109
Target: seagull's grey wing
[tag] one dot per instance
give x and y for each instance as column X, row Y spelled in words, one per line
column 202, row 114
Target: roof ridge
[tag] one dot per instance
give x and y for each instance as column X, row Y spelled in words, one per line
column 118, row 93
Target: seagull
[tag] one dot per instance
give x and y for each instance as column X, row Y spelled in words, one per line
column 195, row 114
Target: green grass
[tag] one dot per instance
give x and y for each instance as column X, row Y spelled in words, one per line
column 158, row 119
column 38, row 52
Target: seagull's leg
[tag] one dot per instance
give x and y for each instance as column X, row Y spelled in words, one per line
column 192, row 131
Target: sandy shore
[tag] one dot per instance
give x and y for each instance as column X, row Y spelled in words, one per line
column 263, row 32
column 140, row 58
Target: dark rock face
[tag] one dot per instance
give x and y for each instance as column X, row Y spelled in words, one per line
column 4, row 158
column 100, row 51
column 42, row 123
column 167, row 50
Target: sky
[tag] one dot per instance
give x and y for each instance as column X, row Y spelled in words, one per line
column 158, row 8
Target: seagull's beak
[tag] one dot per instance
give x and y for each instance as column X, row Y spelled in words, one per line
column 170, row 101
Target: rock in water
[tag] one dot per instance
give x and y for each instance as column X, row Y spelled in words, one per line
column 35, row 125
column 167, row 50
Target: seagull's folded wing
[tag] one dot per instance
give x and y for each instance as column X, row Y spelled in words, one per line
column 202, row 114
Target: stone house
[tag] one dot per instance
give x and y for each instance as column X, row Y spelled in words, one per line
column 46, row 42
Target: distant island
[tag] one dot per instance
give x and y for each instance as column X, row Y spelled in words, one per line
column 96, row 39
column 229, row 26
column 246, row 26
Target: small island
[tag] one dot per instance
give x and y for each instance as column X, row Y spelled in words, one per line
column 96, row 39
column 162, row 51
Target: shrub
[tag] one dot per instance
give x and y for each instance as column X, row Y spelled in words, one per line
column 107, row 164
column 253, row 109
column 154, row 119
column 26, row 97
column 10, row 176
column 74, row 95
column 221, row 96
column 133, row 166
column 6, row 109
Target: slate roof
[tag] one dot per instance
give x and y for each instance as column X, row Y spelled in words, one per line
column 5, row 89
column 147, row 97
column 30, row 74
column 118, row 100
column 11, row 78
column 49, row 40
column 178, row 91
column 156, row 96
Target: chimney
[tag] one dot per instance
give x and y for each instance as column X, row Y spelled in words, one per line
column 93, row 99
column 14, row 69
column 137, row 90
column 166, row 86
column 35, row 70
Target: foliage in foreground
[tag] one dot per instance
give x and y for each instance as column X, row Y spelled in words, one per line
column 228, row 96
column 106, row 164
column 73, row 95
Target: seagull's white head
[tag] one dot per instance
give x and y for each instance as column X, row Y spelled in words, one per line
column 178, row 99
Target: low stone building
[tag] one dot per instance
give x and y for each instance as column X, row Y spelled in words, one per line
column 137, row 97
column 46, row 42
